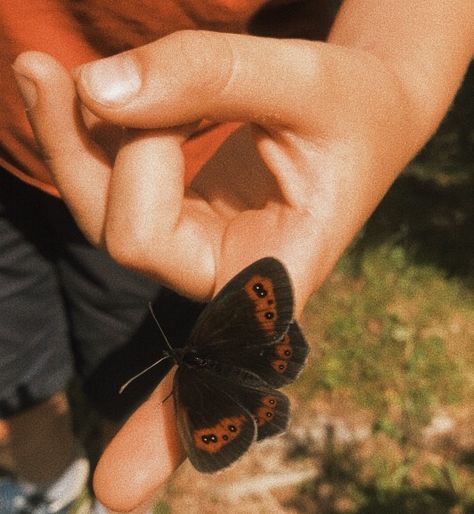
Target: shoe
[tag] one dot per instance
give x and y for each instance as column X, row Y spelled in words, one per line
column 67, row 495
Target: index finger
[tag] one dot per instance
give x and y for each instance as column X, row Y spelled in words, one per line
column 142, row 455
column 80, row 169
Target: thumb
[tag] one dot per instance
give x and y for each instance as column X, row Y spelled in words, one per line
column 191, row 75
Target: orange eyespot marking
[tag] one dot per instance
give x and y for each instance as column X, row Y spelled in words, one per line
column 269, row 401
column 265, row 413
column 212, row 439
column 280, row 365
column 260, row 290
column 283, row 352
column 283, row 349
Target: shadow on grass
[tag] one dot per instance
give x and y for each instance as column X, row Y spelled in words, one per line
column 426, row 501
column 430, row 208
column 331, row 495
column 432, row 220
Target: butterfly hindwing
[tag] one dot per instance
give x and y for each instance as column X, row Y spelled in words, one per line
column 214, row 428
column 270, row 409
column 277, row 363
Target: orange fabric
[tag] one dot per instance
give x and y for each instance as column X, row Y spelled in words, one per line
column 98, row 29
column 197, row 151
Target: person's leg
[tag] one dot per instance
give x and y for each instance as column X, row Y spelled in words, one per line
column 36, row 440
column 54, row 287
column 42, row 454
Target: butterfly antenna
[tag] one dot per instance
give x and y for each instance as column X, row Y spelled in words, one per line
column 166, row 356
column 170, row 348
column 130, row 380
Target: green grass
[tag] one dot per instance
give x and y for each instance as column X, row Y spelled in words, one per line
column 386, row 326
column 161, row 508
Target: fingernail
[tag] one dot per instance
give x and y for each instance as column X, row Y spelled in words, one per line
column 27, row 89
column 111, row 81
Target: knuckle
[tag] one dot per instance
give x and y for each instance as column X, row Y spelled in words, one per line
column 193, row 42
column 131, row 249
column 207, row 58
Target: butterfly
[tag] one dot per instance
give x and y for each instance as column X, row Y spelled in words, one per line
column 244, row 346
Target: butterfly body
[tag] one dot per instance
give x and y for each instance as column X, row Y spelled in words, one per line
column 190, row 357
column 245, row 346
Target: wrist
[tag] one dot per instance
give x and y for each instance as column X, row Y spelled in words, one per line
column 426, row 46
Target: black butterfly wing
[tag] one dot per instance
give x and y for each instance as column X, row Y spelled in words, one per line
column 249, row 324
column 214, row 428
column 255, row 307
column 270, row 409
column 220, row 414
column 279, row 363
column 243, row 346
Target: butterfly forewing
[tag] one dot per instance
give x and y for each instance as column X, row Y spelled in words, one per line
column 249, row 324
column 220, row 414
column 253, row 308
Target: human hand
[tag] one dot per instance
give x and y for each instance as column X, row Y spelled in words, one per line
column 320, row 126
column 330, row 126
